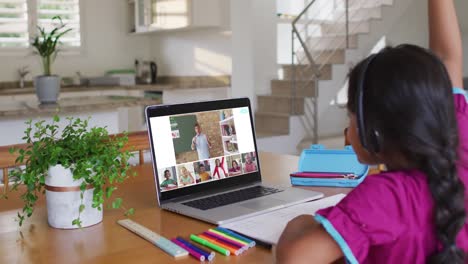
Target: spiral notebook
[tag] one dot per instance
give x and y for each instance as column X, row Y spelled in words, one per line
column 268, row 227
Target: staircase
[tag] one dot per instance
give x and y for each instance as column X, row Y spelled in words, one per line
column 322, row 36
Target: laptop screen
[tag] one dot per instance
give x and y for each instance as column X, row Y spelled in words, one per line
column 203, row 147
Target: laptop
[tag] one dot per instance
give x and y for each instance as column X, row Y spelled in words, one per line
column 206, row 163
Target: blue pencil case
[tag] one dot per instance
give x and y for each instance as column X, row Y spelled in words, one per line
column 327, row 167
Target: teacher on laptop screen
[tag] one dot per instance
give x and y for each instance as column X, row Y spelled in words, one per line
column 201, row 143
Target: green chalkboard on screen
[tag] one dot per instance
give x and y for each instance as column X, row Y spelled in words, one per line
column 183, row 131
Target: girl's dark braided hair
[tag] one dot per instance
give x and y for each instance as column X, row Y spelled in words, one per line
column 408, row 100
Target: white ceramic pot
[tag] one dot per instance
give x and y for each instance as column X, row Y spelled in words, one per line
column 63, row 200
column 47, row 88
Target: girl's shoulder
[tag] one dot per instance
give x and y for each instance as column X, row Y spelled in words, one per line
column 392, row 185
column 387, row 193
column 379, row 211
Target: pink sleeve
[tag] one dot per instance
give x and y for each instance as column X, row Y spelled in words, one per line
column 461, row 107
column 372, row 214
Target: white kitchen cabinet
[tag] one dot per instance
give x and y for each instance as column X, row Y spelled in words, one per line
column 114, row 92
column 24, row 97
column 136, row 93
column 83, row 93
column 67, row 95
column 6, row 99
column 165, row 15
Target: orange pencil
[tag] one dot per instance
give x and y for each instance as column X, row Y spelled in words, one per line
column 232, row 249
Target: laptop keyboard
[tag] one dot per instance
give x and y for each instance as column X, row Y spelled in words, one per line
column 231, row 197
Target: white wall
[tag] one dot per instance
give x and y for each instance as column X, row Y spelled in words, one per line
column 193, row 52
column 106, row 44
column 253, row 25
column 265, row 44
column 413, row 27
column 462, row 7
column 243, row 66
column 244, row 47
column 417, row 33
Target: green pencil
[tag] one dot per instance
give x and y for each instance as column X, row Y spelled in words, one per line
column 205, row 243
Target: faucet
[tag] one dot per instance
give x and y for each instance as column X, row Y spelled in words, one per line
column 22, row 73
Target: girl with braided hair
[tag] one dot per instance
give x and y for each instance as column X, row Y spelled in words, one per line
column 405, row 113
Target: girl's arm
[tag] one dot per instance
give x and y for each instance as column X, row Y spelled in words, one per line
column 305, row 241
column 445, row 39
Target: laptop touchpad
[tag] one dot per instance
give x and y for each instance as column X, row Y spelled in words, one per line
column 260, row 204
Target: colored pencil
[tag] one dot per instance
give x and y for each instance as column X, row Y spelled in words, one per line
column 192, row 252
column 227, row 231
column 210, row 245
column 230, row 237
column 234, row 250
column 208, row 255
column 226, row 240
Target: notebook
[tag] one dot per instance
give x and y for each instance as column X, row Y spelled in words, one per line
column 268, row 227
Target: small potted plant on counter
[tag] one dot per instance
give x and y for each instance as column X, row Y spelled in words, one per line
column 46, row 45
column 77, row 170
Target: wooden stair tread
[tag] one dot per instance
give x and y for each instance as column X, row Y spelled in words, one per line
column 262, row 113
column 272, row 96
column 264, row 134
column 305, row 65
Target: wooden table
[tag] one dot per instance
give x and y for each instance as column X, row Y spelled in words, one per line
column 108, row 242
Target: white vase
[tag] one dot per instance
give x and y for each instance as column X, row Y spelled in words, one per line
column 47, row 88
column 63, row 200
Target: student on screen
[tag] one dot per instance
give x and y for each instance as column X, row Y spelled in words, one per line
column 219, row 172
column 235, row 168
column 168, row 182
column 250, row 165
column 204, row 175
column 201, row 143
column 185, row 177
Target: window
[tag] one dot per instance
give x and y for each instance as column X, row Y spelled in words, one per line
column 13, row 23
column 68, row 10
column 16, row 32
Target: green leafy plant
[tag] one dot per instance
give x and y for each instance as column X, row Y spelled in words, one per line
column 46, row 43
column 91, row 153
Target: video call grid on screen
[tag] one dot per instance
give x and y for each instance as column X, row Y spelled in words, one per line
column 199, row 147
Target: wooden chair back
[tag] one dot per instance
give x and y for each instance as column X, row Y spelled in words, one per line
column 8, row 160
column 346, row 140
column 137, row 142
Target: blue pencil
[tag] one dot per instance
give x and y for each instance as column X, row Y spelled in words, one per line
column 230, row 233
column 209, row 256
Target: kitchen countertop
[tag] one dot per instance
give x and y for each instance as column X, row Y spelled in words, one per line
column 164, row 83
column 31, row 109
column 65, row 89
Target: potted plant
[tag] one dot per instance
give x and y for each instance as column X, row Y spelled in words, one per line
column 77, row 170
column 46, row 45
